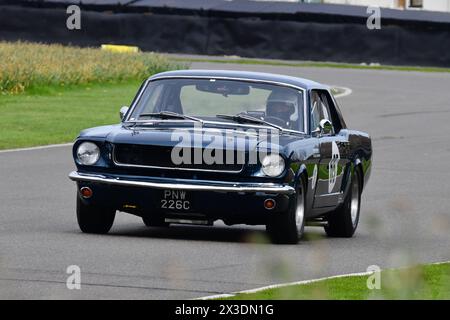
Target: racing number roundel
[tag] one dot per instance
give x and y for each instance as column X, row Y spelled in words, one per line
column 333, row 166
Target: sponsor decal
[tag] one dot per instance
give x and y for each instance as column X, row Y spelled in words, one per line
column 333, row 166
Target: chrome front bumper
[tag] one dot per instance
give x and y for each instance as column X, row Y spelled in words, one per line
column 180, row 184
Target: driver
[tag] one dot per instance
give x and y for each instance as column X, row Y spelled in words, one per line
column 282, row 108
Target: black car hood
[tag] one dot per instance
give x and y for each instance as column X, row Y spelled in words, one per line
column 185, row 136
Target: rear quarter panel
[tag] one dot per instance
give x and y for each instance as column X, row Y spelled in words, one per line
column 361, row 152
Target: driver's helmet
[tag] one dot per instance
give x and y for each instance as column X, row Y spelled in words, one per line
column 283, row 104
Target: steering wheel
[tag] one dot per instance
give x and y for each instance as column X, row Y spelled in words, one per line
column 276, row 121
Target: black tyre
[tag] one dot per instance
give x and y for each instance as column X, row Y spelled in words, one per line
column 155, row 221
column 94, row 219
column 288, row 227
column 344, row 221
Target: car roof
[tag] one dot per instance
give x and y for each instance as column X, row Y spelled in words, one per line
column 260, row 76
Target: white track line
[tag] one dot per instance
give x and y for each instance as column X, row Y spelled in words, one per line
column 280, row 285
column 37, row 148
column 347, row 92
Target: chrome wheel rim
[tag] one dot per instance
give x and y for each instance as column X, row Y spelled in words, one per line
column 354, row 204
column 299, row 212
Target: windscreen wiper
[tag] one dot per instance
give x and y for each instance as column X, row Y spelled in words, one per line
column 169, row 115
column 241, row 117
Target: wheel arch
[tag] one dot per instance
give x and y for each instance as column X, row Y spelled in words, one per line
column 302, row 180
column 355, row 164
column 301, row 177
column 358, row 165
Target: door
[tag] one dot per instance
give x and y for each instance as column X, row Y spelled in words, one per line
column 333, row 147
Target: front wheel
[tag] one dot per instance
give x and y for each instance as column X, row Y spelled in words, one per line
column 288, row 227
column 343, row 221
column 94, row 219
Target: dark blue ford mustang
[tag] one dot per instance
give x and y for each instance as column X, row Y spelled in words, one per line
column 196, row 146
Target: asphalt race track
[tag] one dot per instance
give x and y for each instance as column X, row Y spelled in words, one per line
column 405, row 214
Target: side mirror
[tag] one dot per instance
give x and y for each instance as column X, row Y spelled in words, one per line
column 123, row 111
column 325, row 126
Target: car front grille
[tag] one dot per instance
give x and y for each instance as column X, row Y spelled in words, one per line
column 160, row 157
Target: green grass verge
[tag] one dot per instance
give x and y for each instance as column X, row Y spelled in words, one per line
column 419, row 282
column 56, row 115
column 308, row 64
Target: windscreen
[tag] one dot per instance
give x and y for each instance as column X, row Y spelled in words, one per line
column 207, row 98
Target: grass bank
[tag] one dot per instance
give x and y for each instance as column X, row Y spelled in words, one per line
column 419, row 282
column 29, row 66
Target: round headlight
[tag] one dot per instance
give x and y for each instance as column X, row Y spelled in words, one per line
column 88, row 153
column 273, row 165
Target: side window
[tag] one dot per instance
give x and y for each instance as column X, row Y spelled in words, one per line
column 322, row 107
column 330, row 112
column 315, row 110
column 325, row 109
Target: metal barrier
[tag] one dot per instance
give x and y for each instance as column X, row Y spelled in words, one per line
column 245, row 28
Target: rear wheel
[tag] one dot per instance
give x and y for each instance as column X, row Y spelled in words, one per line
column 288, row 227
column 94, row 219
column 344, row 221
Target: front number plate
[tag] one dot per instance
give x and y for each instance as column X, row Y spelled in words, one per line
column 175, row 200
